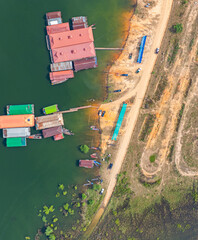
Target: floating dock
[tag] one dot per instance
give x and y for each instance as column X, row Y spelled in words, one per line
column 142, row 45
column 119, row 122
column 17, row 121
column 62, row 66
column 50, row 132
column 16, row 132
column 85, row 63
column 49, row 121
column 20, row 109
column 16, row 142
column 79, row 22
column 50, row 109
column 53, row 18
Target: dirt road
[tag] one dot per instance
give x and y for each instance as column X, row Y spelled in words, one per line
column 139, row 92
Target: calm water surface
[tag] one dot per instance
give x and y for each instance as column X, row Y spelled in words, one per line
column 29, row 176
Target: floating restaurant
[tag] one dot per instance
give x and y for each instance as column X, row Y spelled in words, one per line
column 71, row 49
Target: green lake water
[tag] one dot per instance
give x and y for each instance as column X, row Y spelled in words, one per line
column 29, row 176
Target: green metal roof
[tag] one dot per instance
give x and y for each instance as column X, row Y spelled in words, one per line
column 51, row 109
column 16, row 142
column 20, row 109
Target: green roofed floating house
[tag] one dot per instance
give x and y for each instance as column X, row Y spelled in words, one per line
column 16, row 142
column 50, row 109
column 20, row 109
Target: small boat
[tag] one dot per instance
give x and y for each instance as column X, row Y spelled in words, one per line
column 94, row 155
column 67, row 132
column 94, row 128
column 35, row 136
column 95, row 148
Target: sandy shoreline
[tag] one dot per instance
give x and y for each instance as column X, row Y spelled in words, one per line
column 153, row 24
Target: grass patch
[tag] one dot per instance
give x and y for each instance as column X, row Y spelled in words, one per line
column 122, row 187
column 175, row 49
column 170, row 155
column 148, row 125
column 160, row 88
column 180, row 116
column 152, row 158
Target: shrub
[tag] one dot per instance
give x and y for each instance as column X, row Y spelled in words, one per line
column 152, row 158
column 61, row 187
column 66, row 206
column 84, row 196
column 48, row 231
column 84, row 148
column 178, row 28
column 91, row 201
column 96, row 187
column 117, row 222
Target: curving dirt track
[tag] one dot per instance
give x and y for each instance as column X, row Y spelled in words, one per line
column 139, row 91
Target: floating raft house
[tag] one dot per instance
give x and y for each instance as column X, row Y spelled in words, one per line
column 50, row 132
column 142, row 45
column 53, row 18
column 50, row 109
column 79, row 22
column 66, row 45
column 119, row 122
column 20, row 109
column 49, row 121
column 62, row 66
column 85, row 63
column 86, row 163
column 17, row 121
column 16, row 142
column 16, row 132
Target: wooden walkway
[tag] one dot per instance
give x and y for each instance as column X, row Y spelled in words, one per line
column 115, row 49
column 75, row 109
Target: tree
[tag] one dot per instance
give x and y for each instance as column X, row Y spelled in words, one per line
column 44, row 219
column 48, row 231
column 84, row 196
column 91, row 201
column 52, row 237
column 84, row 148
column 96, row 187
column 178, row 28
column 51, row 208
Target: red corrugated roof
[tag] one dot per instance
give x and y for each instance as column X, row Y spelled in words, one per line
column 86, row 163
column 49, row 132
column 85, row 63
column 75, row 52
column 58, row 137
column 71, row 38
column 61, row 75
column 51, row 15
column 57, row 28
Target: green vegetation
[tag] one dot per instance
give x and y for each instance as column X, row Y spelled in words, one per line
column 178, row 28
column 96, row 187
column 61, row 187
column 171, row 57
column 152, row 158
column 147, row 127
column 47, row 210
column 183, row 2
column 84, row 196
column 57, row 194
column 91, row 202
column 122, row 187
column 48, row 231
column 180, row 116
column 84, row 148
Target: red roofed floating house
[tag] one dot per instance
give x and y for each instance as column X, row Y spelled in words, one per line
column 65, row 46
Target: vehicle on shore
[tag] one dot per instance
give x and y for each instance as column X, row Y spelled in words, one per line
column 102, row 190
column 103, row 113
column 138, row 70
column 110, row 166
column 157, row 50
column 99, row 112
column 130, row 55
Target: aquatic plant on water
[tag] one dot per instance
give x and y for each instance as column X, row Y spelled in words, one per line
column 84, row 148
column 66, row 206
column 65, row 193
column 57, row 194
column 61, row 187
